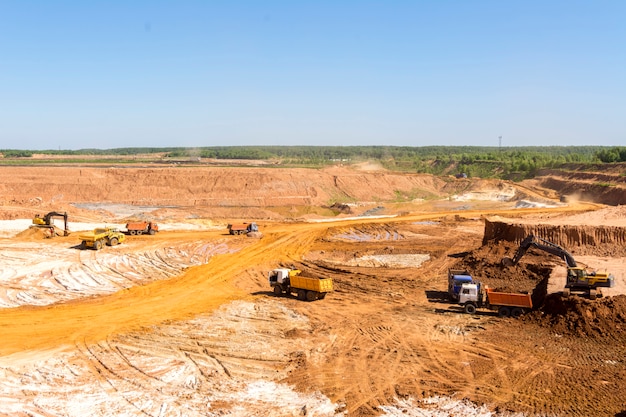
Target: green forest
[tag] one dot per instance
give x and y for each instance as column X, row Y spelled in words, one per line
column 488, row 162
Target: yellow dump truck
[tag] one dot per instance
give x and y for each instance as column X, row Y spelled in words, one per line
column 101, row 236
column 289, row 281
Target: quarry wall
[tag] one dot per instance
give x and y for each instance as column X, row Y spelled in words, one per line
column 584, row 239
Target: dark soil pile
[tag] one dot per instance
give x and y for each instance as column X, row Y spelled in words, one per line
column 576, row 316
column 341, row 208
column 485, row 264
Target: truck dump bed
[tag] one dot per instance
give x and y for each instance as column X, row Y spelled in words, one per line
column 509, row 299
column 95, row 234
column 138, row 225
column 312, row 284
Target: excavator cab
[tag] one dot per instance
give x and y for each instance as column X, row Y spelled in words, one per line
column 580, row 278
column 39, row 221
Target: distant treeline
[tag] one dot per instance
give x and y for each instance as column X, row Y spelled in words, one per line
column 505, row 162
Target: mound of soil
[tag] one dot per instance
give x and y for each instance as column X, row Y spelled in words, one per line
column 36, row 233
column 576, row 316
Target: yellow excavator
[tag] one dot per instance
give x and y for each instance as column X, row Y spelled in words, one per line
column 46, row 221
column 578, row 278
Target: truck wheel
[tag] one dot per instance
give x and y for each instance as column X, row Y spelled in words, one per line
column 278, row 292
column 152, row 232
column 302, row 295
column 114, row 241
column 131, row 232
column 566, row 292
column 140, row 232
column 516, row 312
column 97, row 245
column 504, row 312
column 592, row 294
column 470, row 308
column 311, row 295
column 83, row 245
column 321, row 296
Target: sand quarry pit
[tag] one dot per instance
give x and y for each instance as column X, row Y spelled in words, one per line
column 183, row 323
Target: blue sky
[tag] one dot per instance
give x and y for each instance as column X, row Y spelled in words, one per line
column 78, row 74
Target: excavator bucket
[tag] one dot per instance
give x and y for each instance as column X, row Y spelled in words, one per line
column 506, row 261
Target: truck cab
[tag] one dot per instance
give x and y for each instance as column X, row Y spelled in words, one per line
column 470, row 293
column 456, row 279
column 279, row 276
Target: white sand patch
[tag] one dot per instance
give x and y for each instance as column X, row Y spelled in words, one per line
column 439, row 407
column 389, row 261
column 534, row 204
column 491, row 195
column 340, row 219
column 202, row 367
column 34, row 273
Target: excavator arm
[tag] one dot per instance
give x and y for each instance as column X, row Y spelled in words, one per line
column 544, row 245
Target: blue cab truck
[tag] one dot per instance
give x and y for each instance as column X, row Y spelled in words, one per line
column 456, row 279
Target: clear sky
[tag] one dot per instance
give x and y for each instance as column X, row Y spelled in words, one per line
column 95, row 74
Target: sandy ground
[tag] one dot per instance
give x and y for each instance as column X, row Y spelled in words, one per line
column 184, row 323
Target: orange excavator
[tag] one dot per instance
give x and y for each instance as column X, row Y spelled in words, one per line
column 579, row 279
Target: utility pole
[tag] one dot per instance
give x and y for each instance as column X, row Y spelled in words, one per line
column 500, row 143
